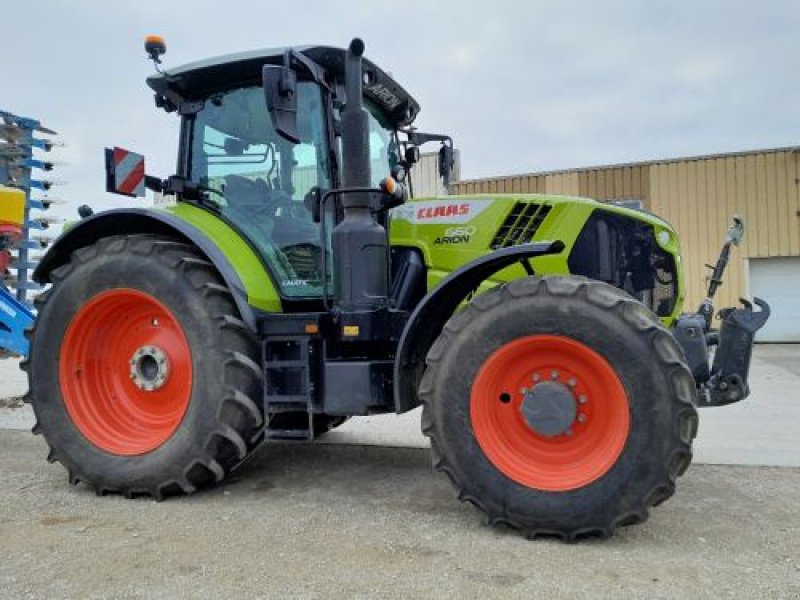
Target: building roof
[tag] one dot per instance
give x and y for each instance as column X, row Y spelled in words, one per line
column 642, row 163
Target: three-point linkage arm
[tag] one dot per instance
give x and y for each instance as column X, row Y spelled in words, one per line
column 724, row 381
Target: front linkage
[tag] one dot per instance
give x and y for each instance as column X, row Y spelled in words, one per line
column 725, row 380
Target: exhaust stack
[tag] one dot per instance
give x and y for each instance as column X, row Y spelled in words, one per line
column 360, row 245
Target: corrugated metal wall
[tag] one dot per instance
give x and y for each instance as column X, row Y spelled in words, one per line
column 698, row 196
column 631, row 182
column 425, row 175
column 602, row 183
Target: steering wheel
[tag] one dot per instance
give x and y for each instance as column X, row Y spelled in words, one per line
column 256, row 195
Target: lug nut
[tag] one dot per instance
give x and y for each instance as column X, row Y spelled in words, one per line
column 582, row 399
column 536, row 377
column 581, row 418
column 553, row 374
column 572, row 382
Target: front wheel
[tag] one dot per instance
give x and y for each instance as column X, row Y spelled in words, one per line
column 559, row 406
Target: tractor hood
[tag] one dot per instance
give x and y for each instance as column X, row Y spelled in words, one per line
column 194, row 81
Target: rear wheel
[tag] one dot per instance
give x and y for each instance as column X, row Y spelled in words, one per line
column 142, row 377
column 559, row 406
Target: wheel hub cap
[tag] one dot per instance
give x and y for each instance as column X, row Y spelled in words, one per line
column 149, row 368
column 549, row 408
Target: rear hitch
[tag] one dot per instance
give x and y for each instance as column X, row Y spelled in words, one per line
column 728, row 381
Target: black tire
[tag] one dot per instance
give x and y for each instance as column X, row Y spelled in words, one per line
column 643, row 354
column 222, row 422
column 299, row 420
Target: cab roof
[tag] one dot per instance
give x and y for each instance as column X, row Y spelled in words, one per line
column 195, row 80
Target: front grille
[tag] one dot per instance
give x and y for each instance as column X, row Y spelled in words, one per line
column 520, row 225
column 664, row 292
column 623, row 252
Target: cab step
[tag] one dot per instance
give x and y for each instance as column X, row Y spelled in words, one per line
column 288, row 387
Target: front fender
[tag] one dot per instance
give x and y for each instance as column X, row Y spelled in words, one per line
column 426, row 322
column 129, row 221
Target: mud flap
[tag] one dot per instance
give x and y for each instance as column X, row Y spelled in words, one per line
column 728, row 382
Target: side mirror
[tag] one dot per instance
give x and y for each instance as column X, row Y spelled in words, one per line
column 446, row 163
column 412, row 155
column 280, row 93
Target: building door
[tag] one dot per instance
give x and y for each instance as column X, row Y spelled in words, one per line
column 777, row 280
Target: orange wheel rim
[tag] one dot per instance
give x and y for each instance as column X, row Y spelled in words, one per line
column 506, row 387
column 126, row 372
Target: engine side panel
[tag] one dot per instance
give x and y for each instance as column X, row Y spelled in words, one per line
column 453, row 230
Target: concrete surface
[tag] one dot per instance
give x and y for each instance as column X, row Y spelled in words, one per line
column 763, row 430
column 341, row 521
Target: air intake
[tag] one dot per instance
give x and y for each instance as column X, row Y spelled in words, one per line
column 520, row 225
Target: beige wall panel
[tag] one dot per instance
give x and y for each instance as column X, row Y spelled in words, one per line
column 698, row 197
column 601, row 184
column 636, row 185
column 590, row 191
column 763, row 205
column 747, row 202
column 793, row 168
column 774, row 229
column 625, row 181
column 565, row 184
column 583, row 182
column 783, row 203
column 618, row 183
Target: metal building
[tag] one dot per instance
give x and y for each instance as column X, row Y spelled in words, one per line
column 698, row 195
column 425, row 180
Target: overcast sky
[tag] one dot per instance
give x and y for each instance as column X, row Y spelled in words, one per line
column 522, row 86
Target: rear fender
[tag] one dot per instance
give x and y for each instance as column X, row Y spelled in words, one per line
column 130, row 221
column 428, row 319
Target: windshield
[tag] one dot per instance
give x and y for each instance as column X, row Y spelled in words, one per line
column 260, row 181
column 382, row 150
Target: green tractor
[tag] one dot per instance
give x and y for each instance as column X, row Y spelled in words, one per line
column 293, row 284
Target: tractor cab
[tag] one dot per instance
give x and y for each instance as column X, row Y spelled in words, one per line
column 265, row 174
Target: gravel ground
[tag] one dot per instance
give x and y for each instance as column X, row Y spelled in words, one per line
column 314, row 521
column 358, row 517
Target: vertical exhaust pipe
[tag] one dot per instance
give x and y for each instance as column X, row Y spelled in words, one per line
column 360, row 245
column 355, row 126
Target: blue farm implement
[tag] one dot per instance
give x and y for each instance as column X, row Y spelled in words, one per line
column 15, row 317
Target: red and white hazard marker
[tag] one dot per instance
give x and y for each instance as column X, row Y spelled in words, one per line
column 125, row 172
